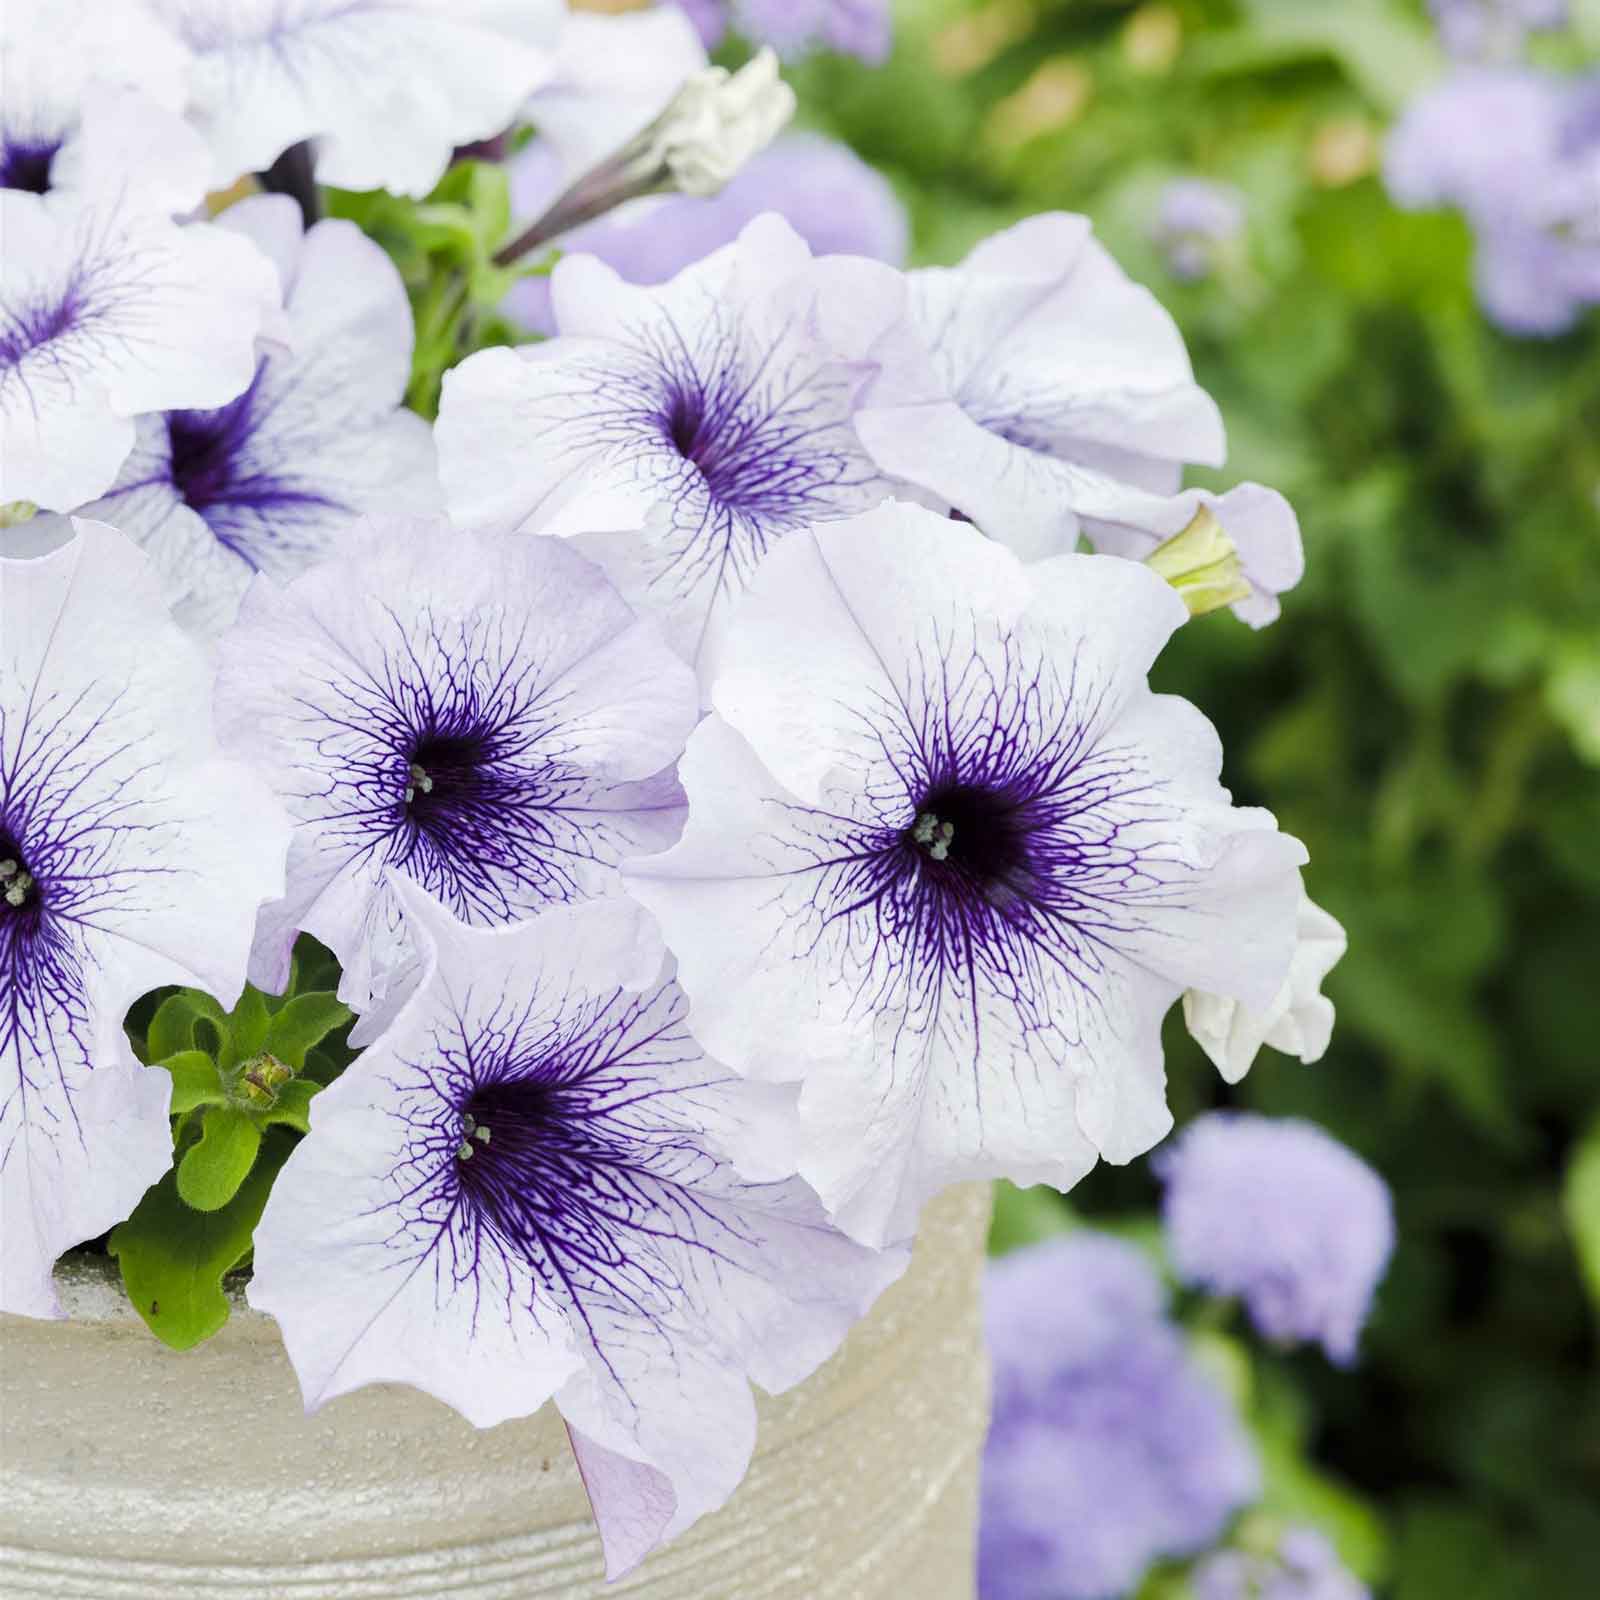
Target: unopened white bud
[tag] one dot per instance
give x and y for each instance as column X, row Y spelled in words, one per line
column 717, row 122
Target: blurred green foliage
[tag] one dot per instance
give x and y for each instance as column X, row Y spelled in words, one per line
column 1426, row 715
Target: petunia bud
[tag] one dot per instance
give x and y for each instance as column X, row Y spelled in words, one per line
column 1202, row 564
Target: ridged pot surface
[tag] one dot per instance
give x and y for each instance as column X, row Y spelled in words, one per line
column 128, row 1472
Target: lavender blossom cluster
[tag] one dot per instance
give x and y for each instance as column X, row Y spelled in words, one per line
column 736, row 804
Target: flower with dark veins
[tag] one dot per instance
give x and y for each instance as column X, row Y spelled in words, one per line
column 131, row 855
column 484, row 717
column 92, row 106
column 105, row 313
column 684, row 429
column 948, row 861
column 271, row 481
column 522, row 1191
column 1054, row 398
column 387, row 89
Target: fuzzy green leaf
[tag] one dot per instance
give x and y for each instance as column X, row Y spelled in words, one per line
column 302, row 1024
column 211, row 1172
column 173, row 1258
column 172, row 1029
column 195, row 1081
column 248, row 1024
column 292, row 1109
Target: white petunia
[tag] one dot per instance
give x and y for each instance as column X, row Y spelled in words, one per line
column 106, row 312
column 131, row 855
column 949, row 861
column 273, row 480
column 1056, row 399
column 1299, row 1021
column 521, row 1192
column 482, row 716
column 386, row 88
column 687, row 428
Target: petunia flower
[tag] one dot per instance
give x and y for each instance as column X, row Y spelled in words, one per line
column 106, row 312
column 1110, row 1448
column 1495, row 30
column 387, row 89
column 484, row 717
column 861, row 28
column 93, row 103
column 1279, row 1213
column 948, row 861
column 131, row 855
column 522, row 1192
column 689, row 428
column 1196, row 220
column 1056, row 400
column 272, row 480
column 1299, row 1021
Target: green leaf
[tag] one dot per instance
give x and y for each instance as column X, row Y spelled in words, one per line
column 172, row 1028
column 195, row 1081
column 1580, row 1200
column 292, row 1109
column 1025, row 1216
column 211, row 1172
column 247, row 1027
column 302, row 1024
column 173, row 1259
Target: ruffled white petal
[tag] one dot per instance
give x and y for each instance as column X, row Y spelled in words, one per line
column 386, row 88
column 106, row 313
column 150, row 855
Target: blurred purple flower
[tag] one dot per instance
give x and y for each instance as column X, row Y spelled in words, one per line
column 1279, row 1213
column 1304, row 1567
column 1194, row 217
column 793, row 28
column 1109, row 1448
column 1518, row 151
column 1487, row 30
column 836, row 202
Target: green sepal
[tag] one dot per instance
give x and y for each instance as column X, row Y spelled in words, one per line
column 247, row 1028
column 211, row 1172
column 172, row 1028
column 173, row 1259
column 292, row 1109
column 302, row 1023
column 195, row 1081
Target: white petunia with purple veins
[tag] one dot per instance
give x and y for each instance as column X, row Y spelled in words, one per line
column 522, row 1192
column 132, row 855
column 684, row 429
column 108, row 312
column 1055, row 398
column 386, row 88
column 949, row 862
column 92, row 106
column 273, row 480
column 485, row 717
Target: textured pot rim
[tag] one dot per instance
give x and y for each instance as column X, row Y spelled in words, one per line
column 90, row 1290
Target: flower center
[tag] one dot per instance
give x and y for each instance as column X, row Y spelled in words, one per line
column 204, row 450
column 514, row 1158
column 969, row 836
column 26, row 165
column 444, row 770
column 18, row 887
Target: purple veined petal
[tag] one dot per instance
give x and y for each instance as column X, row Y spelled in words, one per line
column 485, row 717
column 1053, row 389
column 107, row 313
column 1279, row 1213
column 277, row 478
column 948, row 861
column 523, row 1191
column 93, row 102
column 700, row 422
column 386, row 88
column 131, row 855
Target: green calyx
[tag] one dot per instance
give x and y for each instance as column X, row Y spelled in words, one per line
column 242, row 1086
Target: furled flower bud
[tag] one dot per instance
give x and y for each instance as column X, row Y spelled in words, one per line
column 1202, row 564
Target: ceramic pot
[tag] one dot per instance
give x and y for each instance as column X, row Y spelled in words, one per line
column 128, row 1472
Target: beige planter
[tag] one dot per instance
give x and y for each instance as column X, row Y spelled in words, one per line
column 130, row 1473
